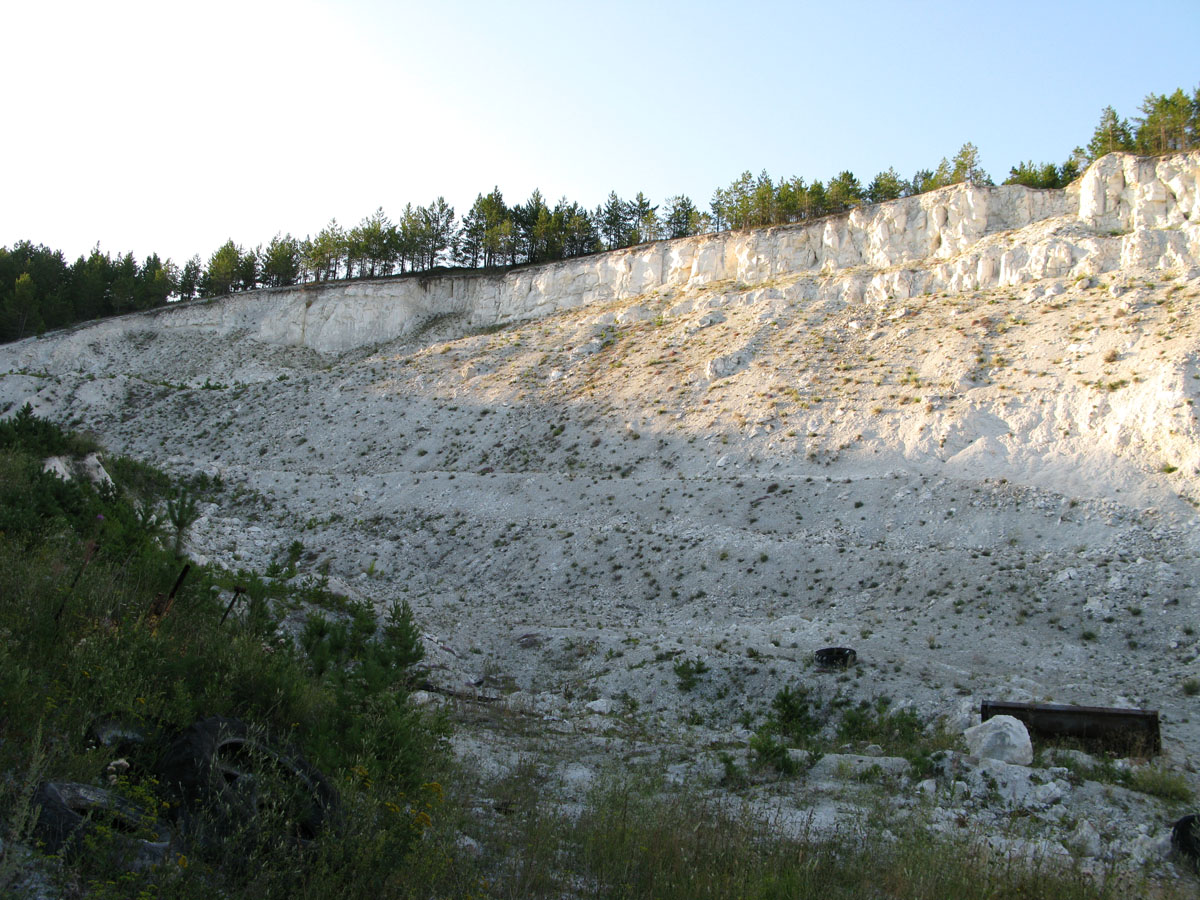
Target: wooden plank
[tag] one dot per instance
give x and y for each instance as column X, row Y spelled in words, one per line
column 1130, row 731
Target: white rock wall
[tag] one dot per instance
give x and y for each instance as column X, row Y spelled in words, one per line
column 1123, row 192
column 1124, row 212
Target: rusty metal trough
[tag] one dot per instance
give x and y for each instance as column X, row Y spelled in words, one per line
column 1127, row 731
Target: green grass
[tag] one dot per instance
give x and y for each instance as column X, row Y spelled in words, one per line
column 1159, row 782
column 636, row 840
column 1155, row 780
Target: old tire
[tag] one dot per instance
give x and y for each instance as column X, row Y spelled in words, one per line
column 835, row 657
column 1185, row 838
column 68, row 814
column 230, row 781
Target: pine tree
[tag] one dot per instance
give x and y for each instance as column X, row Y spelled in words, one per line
column 439, row 231
column 189, row 278
column 280, row 262
column 643, row 219
column 468, row 251
column 739, row 201
column 682, row 219
column 762, row 201
column 965, row 167
column 790, row 200
column 615, row 226
column 844, row 191
column 886, row 186
column 1168, row 123
column 221, row 275
column 1111, row 135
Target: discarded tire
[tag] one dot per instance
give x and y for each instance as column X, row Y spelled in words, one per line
column 835, row 657
column 73, row 817
column 233, row 783
column 1185, row 838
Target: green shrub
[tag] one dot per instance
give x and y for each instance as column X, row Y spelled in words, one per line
column 769, row 751
column 40, row 437
column 688, row 671
column 794, row 719
column 794, row 715
column 875, row 725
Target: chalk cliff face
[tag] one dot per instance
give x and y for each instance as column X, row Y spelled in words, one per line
column 1124, row 212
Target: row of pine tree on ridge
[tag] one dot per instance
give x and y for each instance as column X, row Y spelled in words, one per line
column 39, row 290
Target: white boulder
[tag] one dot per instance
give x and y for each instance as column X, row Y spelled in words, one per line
column 57, row 465
column 1001, row 737
column 94, row 470
column 577, row 779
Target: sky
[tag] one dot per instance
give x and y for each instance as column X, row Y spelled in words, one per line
column 160, row 127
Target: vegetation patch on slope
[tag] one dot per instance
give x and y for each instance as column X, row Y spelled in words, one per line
column 88, row 635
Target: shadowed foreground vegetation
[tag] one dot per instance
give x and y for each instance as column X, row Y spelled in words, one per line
column 83, row 572
column 88, row 633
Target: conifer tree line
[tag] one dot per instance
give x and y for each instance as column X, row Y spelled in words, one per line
column 39, row 290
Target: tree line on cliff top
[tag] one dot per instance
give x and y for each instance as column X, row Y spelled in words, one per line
column 39, row 290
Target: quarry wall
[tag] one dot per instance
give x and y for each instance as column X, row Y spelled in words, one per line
column 1124, row 211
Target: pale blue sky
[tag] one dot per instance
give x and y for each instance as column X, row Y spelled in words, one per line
column 145, row 125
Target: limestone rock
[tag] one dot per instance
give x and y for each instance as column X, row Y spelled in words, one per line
column 577, row 779
column 57, row 465
column 850, row 765
column 1086, row 839
column 800, row 757
column 1001, row 737
column 1066, row 756
column 94, row 470
column 469, row 846
column 722, row 366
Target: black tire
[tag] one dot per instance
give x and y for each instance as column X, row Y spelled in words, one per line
column 1185, row 836
column 69, row 813
column 232, row 782
column 835, row 657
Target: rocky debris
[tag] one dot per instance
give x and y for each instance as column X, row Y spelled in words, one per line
column 577, row 779
column 1068, row 756
column 94, row 470
column 469, row 846
column 1017, row 786
column 1003, row 738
